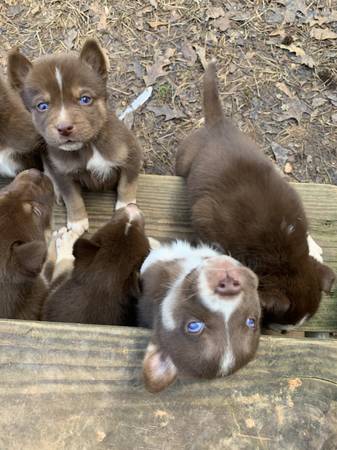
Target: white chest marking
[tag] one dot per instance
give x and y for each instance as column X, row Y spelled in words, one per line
column 8, row 167
column 314, row 249
column 100, row 166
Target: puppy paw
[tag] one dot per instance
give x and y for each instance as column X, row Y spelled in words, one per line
column 64, row 243
column 79, row 226
column 120, row 204
column 314, row 249
column 154, row 244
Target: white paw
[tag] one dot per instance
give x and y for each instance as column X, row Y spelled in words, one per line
column 120, row 204
column 154, row 244
column 314, row 249
column 64, row 243
column 79, row 227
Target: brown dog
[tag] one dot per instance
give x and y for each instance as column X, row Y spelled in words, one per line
column 103, row 285
column 241, row 202
column 204, row 310
column 25, row 220
column 19, row 141
column 66, row 95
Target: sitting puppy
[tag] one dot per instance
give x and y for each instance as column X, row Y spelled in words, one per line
column 204, row 310
column 25, row 220
column 103, row 284
column 87, row 145
column 241, row 202
column 19, row 141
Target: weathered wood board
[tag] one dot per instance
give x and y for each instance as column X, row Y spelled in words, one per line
column 164, row 203
column 69, row 387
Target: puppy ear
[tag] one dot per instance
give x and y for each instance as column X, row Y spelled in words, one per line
column 18, row 68
column 326, row 276
column 30, row 257
column 93, row 55
column 159, row 370
column 83, row 248
column 274, row 303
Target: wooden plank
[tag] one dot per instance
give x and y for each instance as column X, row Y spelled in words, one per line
column 164, row 203
column 67, row 386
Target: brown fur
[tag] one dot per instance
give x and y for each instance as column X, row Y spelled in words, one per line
column 240, row 201
column 17, row 134
column 174, row 350
column 103, row 286
column 94, row 127
column 25, row 219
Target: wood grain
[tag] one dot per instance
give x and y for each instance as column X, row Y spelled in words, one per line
column 72, row 387
column 165, row 206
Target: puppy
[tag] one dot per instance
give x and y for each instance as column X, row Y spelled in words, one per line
column 25, row 220
column 20, row 144
column 204, row 310
column 241, row 202
column 87, row 145
column 103, row 284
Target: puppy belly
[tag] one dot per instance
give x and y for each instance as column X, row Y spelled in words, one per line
column 96, row 184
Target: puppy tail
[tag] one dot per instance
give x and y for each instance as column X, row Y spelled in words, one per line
column 212, row 105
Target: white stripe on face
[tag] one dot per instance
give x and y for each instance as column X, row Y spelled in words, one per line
column 59, row 80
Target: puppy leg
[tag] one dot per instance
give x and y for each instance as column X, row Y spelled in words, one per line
column 127, row 188
column 65, row 241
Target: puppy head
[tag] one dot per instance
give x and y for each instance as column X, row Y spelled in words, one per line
column 116, row 251
column 207, row 325
column 66, row 94
column 25, row 219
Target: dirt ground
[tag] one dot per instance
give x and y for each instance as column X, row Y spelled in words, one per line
column 276, row 66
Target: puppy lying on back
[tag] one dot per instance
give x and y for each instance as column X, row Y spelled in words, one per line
column 87, row 145
column 204, row 310
column 102, row 286
column 240, row 201
column 25, row 220
column 19, row 141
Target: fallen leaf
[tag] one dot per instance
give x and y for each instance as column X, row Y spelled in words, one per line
column 222, row 23
column 70, row 38
column 288, row 168
column 284, row 88
column 318, row 101
column 322, row 34
column 300, row 53
column 156, row 23
column 280, row 153
column 166, row 111
column 201, row 52
column 157, row 69
column 213, row 12
column 293, row 110
column 331, row 16
column 292, row 7
column 189, row 53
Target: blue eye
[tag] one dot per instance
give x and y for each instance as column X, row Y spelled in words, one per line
column 43, row 106
column 250, row 323
column 195, row 327
column 85, row 100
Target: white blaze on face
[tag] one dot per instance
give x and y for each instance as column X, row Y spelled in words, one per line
column 59, row 80
column 63, row 115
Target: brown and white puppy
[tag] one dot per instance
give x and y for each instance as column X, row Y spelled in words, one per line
column 241, row 202
column 103, row 285
column 204, row 310
column 25, row 220
column 20, row 144
column 87, row 145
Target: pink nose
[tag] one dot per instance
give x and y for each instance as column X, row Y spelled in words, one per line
column 65, row 129
column 228, row 286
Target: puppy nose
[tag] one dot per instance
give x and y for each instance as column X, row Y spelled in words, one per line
column 65, row 129
column 228, row 286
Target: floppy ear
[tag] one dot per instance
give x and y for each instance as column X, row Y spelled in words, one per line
column 326, row 276
column 274, row 303
column 159, row 370
column 93, row 55
column 18, row 68
column 30, row 257
column 83, row 248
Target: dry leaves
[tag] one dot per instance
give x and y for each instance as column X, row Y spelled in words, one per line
column 293, row 110
column 189, row 53
column 201, row 52
column 213, row 12
column 166, row 111
column 70, row 38
column 157, row 69
column 284, row 88
column 303, row 58
column 322, row 34
column 222, row 23
column 280, row 153
column 292, row 7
